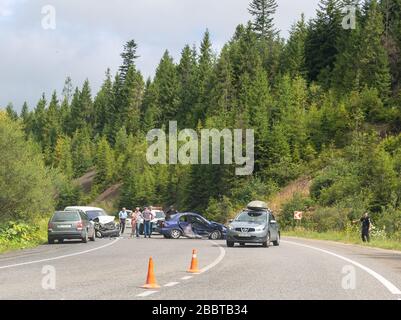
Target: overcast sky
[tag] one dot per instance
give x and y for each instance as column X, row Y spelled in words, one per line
column 89, row 36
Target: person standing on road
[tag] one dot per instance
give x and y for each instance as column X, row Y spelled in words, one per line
column 366, row 227
column 136, row 215
column 147, row 218
column 123, row 217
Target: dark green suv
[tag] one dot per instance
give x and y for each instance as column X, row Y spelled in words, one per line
column 66, row 225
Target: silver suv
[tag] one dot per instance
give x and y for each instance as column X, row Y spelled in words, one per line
column 66, row 225
column 254, row 225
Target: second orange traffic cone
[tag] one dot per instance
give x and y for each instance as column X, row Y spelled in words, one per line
column 151, row 282
column 194, row 263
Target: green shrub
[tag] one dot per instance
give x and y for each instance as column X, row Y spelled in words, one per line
column 297, row 203
column 330, row 219
column 19, row 235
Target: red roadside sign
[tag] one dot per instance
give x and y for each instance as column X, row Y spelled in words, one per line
column 298, row 215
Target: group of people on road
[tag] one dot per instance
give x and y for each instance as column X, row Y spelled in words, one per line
column 136, row 219
column 146, row 215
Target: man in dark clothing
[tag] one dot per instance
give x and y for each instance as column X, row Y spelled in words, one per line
column 170, row 212
column 366, row 227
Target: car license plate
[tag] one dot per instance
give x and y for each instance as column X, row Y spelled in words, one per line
column 64, row 226
column 244, row 235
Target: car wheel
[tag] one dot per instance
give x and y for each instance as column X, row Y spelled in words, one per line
column 266, row 244
column 85, row 238
column 60, row 240
column 50, row 240
column 215, row 235
column 230, row 244
column 175, row 234
column 98, row 234
column 277, row 242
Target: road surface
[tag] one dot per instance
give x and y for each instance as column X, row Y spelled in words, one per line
column 116, row 269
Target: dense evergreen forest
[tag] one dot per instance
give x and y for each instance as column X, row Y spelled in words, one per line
column 324, row 103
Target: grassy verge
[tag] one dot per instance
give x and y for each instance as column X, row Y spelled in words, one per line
column 344, row 237
column 23, row 238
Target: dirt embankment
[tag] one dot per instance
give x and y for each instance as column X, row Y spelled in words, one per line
column 300, row 186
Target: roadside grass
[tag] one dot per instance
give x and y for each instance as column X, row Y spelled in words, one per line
column 345, row 237
column 22, row 237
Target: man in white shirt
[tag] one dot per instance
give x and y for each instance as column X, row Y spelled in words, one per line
column 123, row 217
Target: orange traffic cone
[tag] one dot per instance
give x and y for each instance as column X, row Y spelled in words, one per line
column 151, row 279
column 194, row 263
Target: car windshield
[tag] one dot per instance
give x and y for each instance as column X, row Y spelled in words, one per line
column 252, row 216
column 160, row 214
column 66, row 216
column 95, row 213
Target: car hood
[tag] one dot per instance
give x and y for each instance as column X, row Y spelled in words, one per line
column 246, row 224
column 217, row 224
column 105, row 219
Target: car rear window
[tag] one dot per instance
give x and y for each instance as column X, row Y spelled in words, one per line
column 66, row 216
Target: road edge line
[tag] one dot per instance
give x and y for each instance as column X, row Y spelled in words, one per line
column 59, row 257
column 386, row 283
column 217, row 261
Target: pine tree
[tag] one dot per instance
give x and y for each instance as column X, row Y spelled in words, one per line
column 67, row 90
column 39, row 120
column 223, row 95
column 52, row 128
column 129, row 56
column 81, row 108
column 167, row 89
column 188, row 91
column 373, row 59
column 321, row 43
column 26, row 117
column 204, row 73
column 12, row 114
column 130, row 101
column 263, row 12
column 63, row 157
column 104, row 165
column 391, row 10
column 82, row 152
column 104, row 108
column 293, row 61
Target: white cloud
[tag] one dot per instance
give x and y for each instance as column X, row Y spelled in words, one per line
column 90, row 34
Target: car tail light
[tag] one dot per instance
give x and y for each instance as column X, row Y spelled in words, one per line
column 79, row 226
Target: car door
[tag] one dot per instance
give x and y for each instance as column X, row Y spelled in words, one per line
column 86, row 223
column 200, row 226
column 183, row 223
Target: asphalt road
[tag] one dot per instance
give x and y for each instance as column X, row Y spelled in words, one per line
column 116, row 269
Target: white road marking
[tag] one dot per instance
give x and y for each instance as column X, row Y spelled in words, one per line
column 217, row 261
column 186, row 278
column 146, row 293
column 391, row 287
column 59, row 257
column 171, row 284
